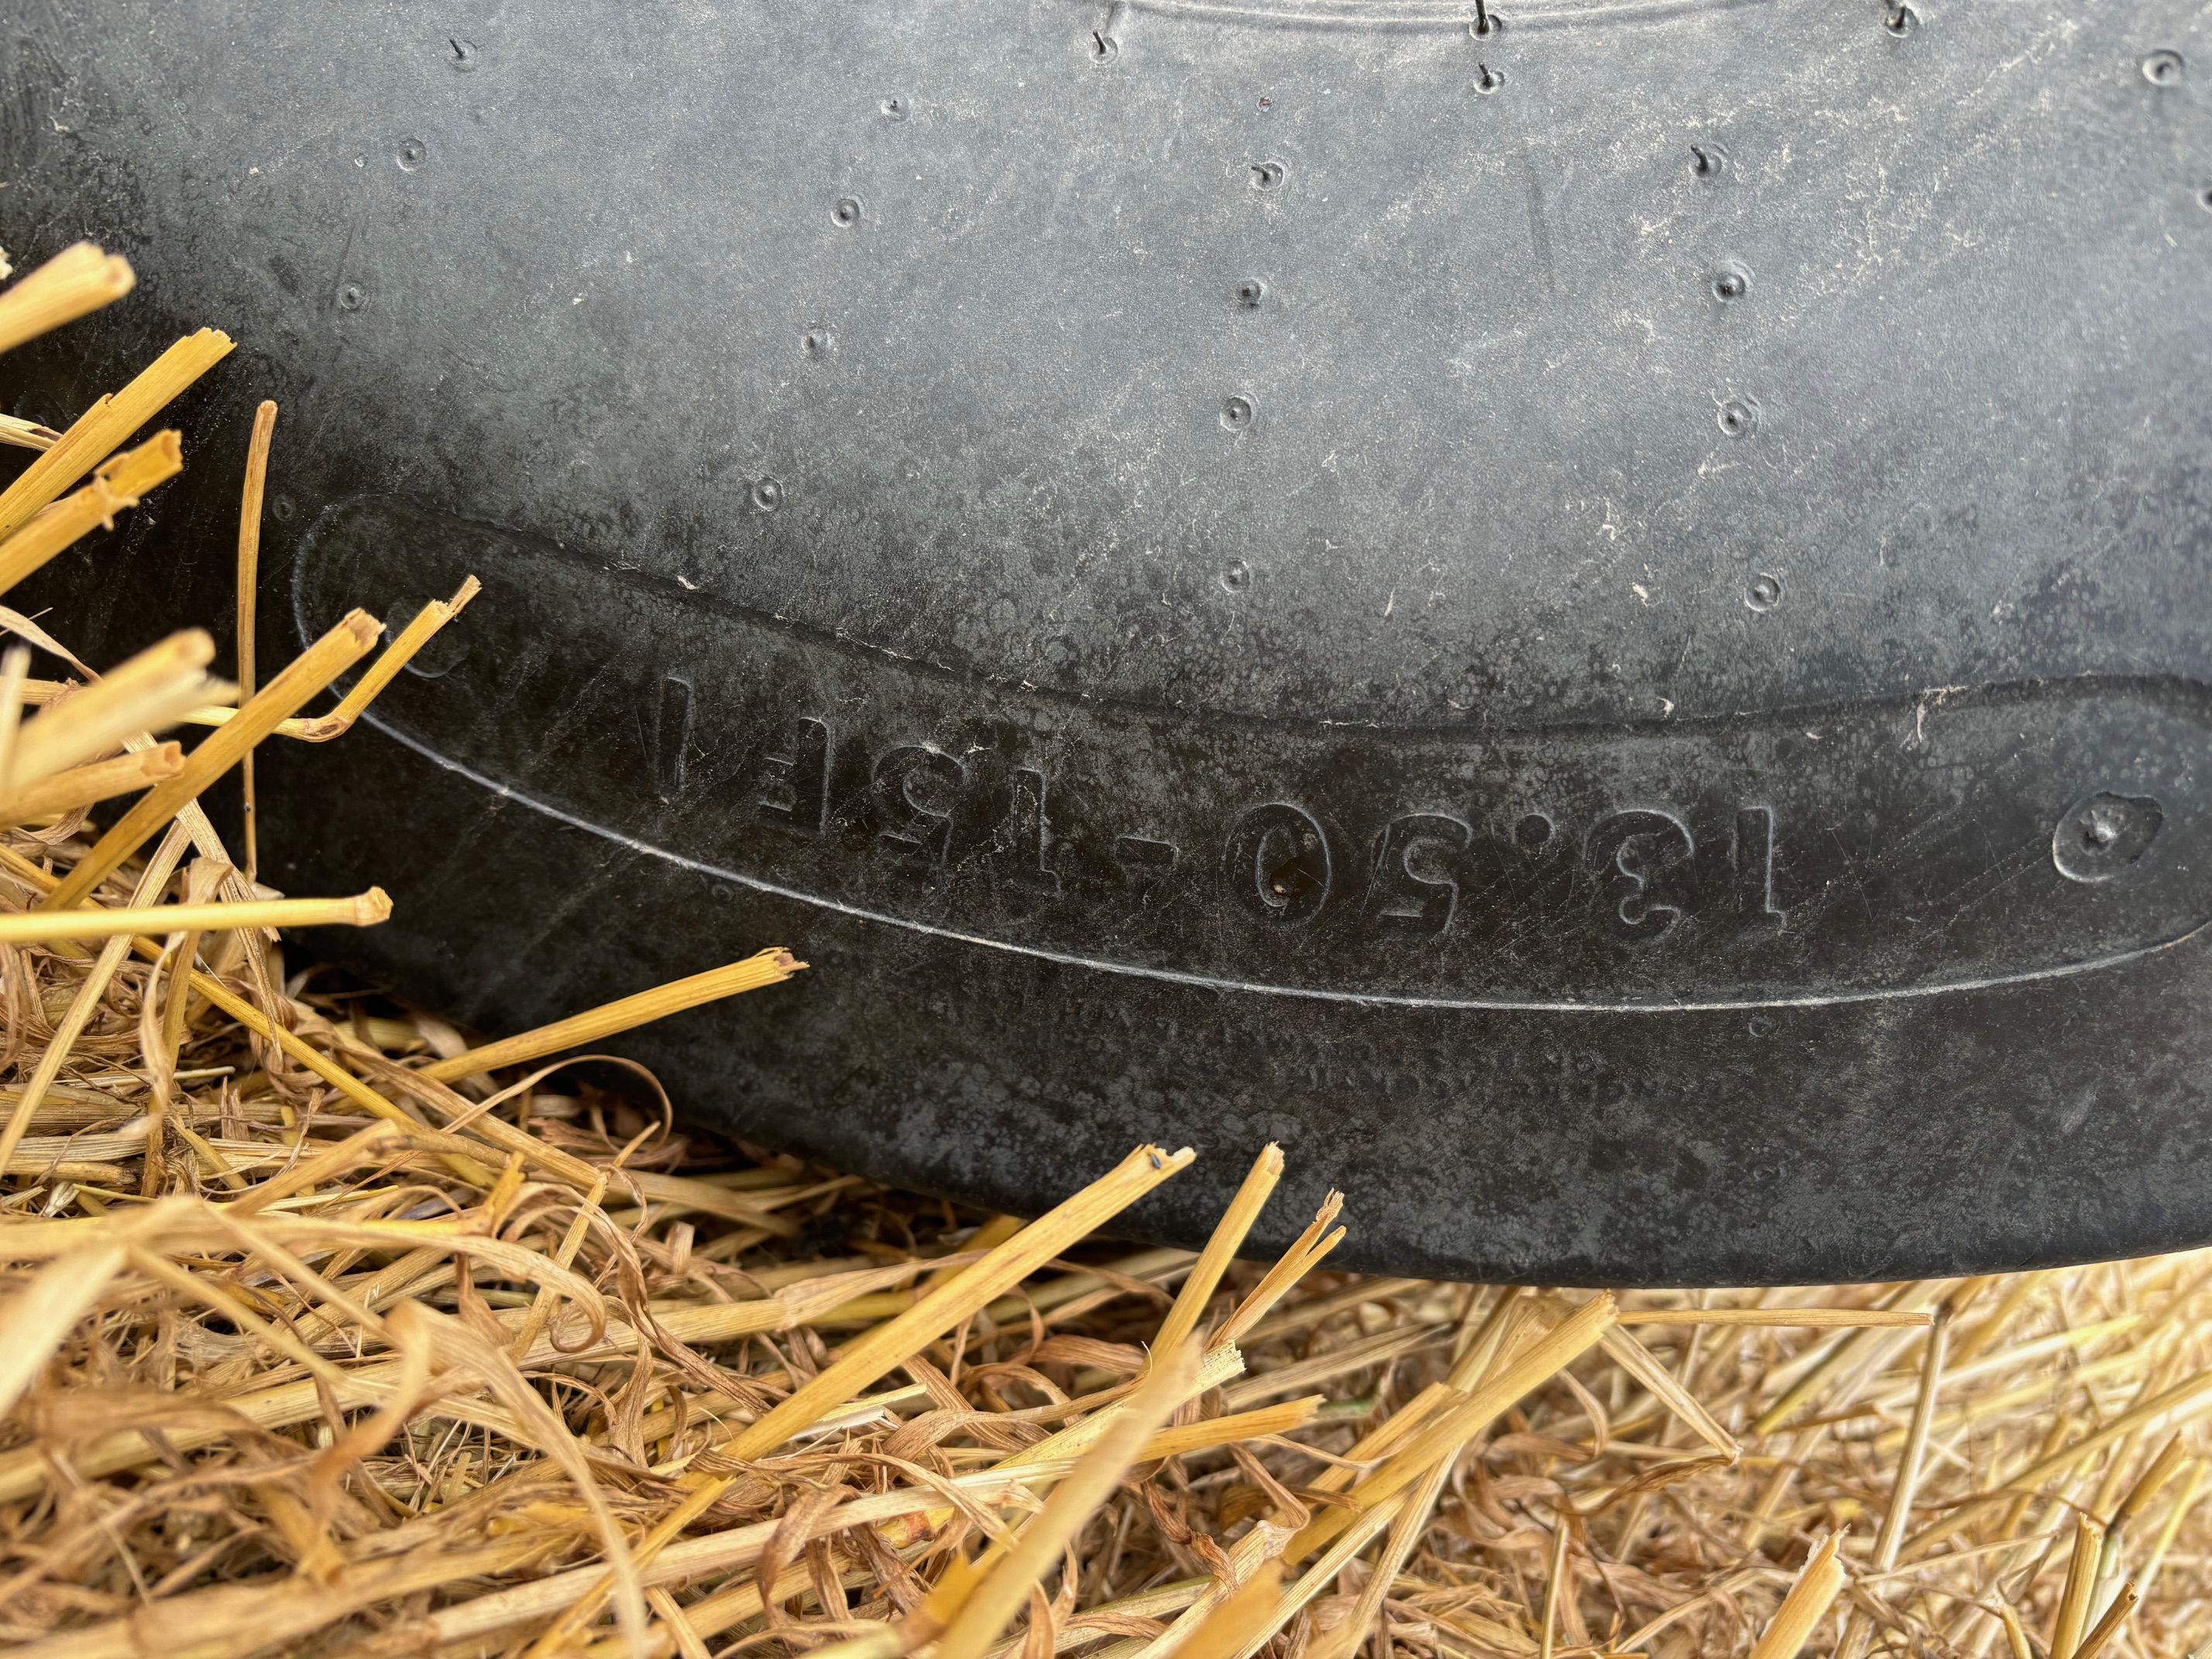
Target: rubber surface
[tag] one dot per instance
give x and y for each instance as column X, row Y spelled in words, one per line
column 1594, row 615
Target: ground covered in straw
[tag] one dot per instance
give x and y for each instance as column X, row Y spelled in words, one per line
column 324, row 1332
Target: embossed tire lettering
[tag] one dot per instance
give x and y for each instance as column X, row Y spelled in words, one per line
column 1278, row 865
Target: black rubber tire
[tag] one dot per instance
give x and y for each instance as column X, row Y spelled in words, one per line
column 1592, row 615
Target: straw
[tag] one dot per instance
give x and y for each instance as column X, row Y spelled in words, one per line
column 75, row 282
column 770, row 967
column 984, row 1612
column 17, row 433
column 395, row 656
column 308, row 674
column 1807, row 1604
column 145, row 693
column 249, row 584
column 45, row 926
column 119, row 482
column 83, row 785
column 100, row 430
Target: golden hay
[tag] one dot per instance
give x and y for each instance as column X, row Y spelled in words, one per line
column 324, row 1333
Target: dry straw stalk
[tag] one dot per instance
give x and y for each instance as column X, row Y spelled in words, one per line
column 116, row 484
column 45, row 927
column 74, row 283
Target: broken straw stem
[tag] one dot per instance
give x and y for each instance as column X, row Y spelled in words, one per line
column 43, row 927
column 38, row 693
column 397, row 655
column 249, row 584
column 299, row 727
column 96, row 434
column 321, row 728
column 345, row 644
column 768, row 966
column 26, row 434
column 1788, row 1318
column 81, row 786
column 121, row 480
column 75, row 282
